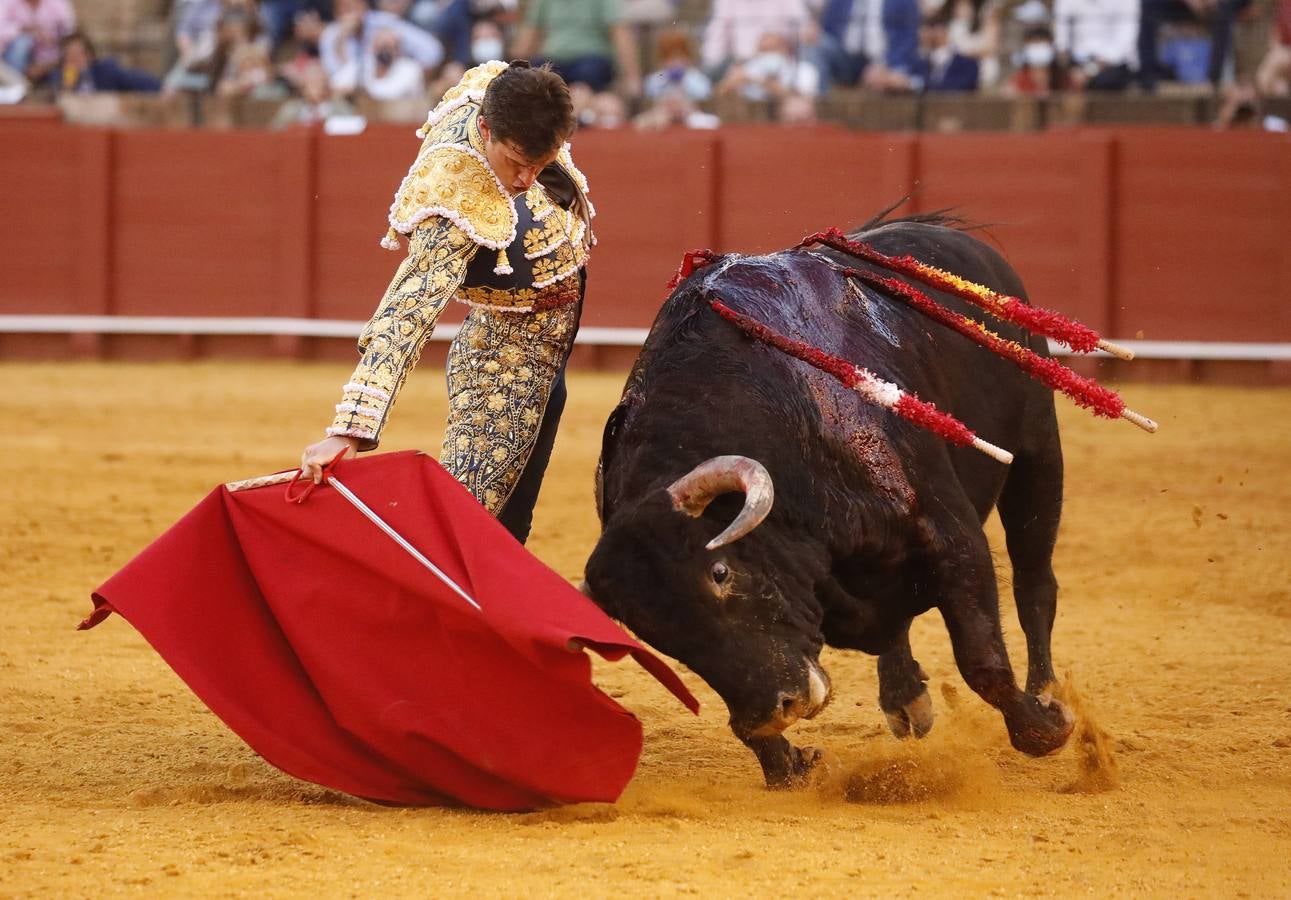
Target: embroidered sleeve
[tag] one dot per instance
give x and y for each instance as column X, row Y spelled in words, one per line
column 391, row 343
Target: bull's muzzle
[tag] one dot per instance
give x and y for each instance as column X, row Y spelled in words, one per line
column 794, row 705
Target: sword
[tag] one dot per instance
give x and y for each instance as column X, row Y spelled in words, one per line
column 349, row 495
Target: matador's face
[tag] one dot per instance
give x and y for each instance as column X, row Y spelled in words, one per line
column 514, row 169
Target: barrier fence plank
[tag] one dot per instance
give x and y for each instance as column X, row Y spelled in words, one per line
column 54, row 208
column 1177, row 234
column 655, row 198
column 1033, row 194
column 355, row 181
column 200, row 219
column 1200, row 222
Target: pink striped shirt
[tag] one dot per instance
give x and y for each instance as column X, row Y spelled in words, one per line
column 47, row 21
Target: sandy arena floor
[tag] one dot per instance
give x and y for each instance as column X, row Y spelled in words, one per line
column 1174, row 621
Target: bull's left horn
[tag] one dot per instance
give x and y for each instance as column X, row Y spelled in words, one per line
column 692, row 492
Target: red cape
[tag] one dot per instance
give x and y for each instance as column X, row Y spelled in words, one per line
column 343, row 661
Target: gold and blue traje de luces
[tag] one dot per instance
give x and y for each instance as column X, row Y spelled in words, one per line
column 515, row 260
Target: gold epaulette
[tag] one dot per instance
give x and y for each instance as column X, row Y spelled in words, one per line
column 451, row 176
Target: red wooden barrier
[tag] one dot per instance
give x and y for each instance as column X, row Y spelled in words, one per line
column 780, row 184
column 1203, row 226
column 655, row 198
column 1178, row 234
column 1045, row 199
column 55, row 219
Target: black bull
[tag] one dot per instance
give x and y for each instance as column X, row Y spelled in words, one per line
column 874, row 521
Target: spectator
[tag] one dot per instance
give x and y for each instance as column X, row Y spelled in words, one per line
column 198, row 41
column 942, row 68
column 280, row 17
column 771, row 74
column 677, row 74
column 871, row 42
column 241, row 61
column 1097, row 39
column 81, row 71
column 674, row 110
column 13, row 85
column 316, row 103
column 303, row 49
column 487, row 42
column 350, row 37
column 582, row 40
column 1218, row 14
column 676, row 87
column 384, row 73
column 30, row 31
column 448, row 20
column 974, row 30
column 604, row 110
column 736, row 27
column 1038, row 72
column 1273, row 77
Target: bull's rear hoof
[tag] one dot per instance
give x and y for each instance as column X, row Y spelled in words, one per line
column 914, row 717
column 1041, row 726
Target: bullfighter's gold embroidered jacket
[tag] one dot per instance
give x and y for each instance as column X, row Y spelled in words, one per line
column 467, row 238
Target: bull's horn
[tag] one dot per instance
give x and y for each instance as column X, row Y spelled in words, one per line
column 692, row 492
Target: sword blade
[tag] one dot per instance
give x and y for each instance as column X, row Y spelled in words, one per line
column 399, row 539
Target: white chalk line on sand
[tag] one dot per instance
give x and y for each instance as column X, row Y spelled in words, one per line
column 589, row 335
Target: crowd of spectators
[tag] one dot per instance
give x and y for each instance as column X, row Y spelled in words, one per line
column 628, row 61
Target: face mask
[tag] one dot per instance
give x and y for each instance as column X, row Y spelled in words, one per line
column 486, row 49
column 1038, row 55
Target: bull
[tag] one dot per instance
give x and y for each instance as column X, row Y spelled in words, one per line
column 753, row 509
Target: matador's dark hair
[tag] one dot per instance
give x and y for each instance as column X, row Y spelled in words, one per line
column 529, row 107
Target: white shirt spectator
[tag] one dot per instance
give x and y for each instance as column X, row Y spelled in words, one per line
column 736, row 26
column 422, row 46
column 404, row 78
column 1103, row 31
column 864, row 34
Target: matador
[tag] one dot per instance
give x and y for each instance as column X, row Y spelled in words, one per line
column 496, row 215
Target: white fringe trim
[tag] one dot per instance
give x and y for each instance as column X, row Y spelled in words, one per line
column 493, row 306
column 454, row 216
column 358, row 409
column 503, row 270
column 572, row 223
column 439, row 112
column 548, row 282
column 367, row 390
column 362, row 434
column 546, row 250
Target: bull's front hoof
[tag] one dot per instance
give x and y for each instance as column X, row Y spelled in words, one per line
column 914, row 717
column 784, row 766
column 1040, row 725
column 803, row 762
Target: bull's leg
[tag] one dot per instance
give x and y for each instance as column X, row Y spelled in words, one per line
column 783, row 765
column 1030, row 507
column 903, row 697
column 969, row 603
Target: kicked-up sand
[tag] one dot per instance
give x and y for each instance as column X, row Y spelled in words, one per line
column 1173, row 637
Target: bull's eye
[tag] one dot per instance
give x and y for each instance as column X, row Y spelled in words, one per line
column 719, row 572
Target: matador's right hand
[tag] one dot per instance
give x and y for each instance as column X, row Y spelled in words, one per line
column 320, row 454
